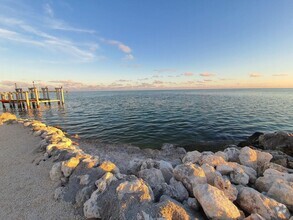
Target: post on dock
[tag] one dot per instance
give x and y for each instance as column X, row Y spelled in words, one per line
column 27, row 100
column 2, row 100
column 58, row 95
column 37, row 97
column 32, row 92
column 62, row 95
column 10, row 98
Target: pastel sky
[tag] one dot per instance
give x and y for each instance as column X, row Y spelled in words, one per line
column 154, row 44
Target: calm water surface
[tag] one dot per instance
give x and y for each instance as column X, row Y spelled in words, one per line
column 189, row 117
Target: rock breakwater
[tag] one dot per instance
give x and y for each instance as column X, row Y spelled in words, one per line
column 237, row 183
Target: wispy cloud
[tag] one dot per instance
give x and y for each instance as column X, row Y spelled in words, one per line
column 128, row 57
column 207, row 74
column 281, row 74
column 48, row 10
column 121, row 46
column 165, row 70
column 255, row 75
column 188, row 74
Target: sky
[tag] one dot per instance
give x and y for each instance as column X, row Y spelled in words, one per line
column 154, row 44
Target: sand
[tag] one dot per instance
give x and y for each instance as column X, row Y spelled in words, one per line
column 26, row 191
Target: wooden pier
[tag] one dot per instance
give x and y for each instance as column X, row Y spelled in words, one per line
column 31, row 98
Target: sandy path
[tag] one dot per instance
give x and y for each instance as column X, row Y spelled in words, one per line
column 26, row 191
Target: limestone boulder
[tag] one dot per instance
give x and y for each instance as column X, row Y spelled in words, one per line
column 192, row 157
column 212, row 160
column 91, row 208
column 166, row 169
column 282, row 191
column 6, row 116
column 175, row 190
column 238, row 176
column 225, row 185
column 68, row 166
column 254, row 158
column 190, row 175
column 215, row 203
column 154, row 178
column 55, row 172
column 252, row 201
column 264, row 183
column 108, row 166
column 232, row 154
column 210, row 173
column 168, row 208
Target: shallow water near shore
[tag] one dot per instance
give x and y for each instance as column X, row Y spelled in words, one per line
column 190, row 118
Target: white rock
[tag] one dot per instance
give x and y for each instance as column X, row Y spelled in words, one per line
column 214, row 203
column 224, row 169
column 252, row 201
column 248, row 157
column 192, row 157
column 90, row 207
column 238, row 176
column 55, row 172
column 210, row 173
column 232, row 154
column 282, row 191
column 68, row 166
column 190, row 174
column 225, row 185
column 166, row 169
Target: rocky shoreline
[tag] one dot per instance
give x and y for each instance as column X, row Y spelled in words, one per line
column 251, row 181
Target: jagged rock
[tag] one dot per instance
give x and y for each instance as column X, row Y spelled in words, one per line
column 154, row 178
column 214, row 203
column 254, row 158
column 55, row 172
column 232, row 154
column 264, row 183
column 224, row 169
column 254, row 216
column 134, row 166
column 189, row 174
column 108, row 166
column 91, row 208
column 212, row 160
column 282, row 191
column 6, row 116
column 170, row 209
column 166, row 169
column 149, row 163
column 225, row 185
column 192, row 157
column 210, row 173
column 193, row 203
column 248, row 157
column 238, row 176
column 83, row 195
column 277, row 141
column 175, row 190
column 252, row 201
column 222, row 154
column 68, row 166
